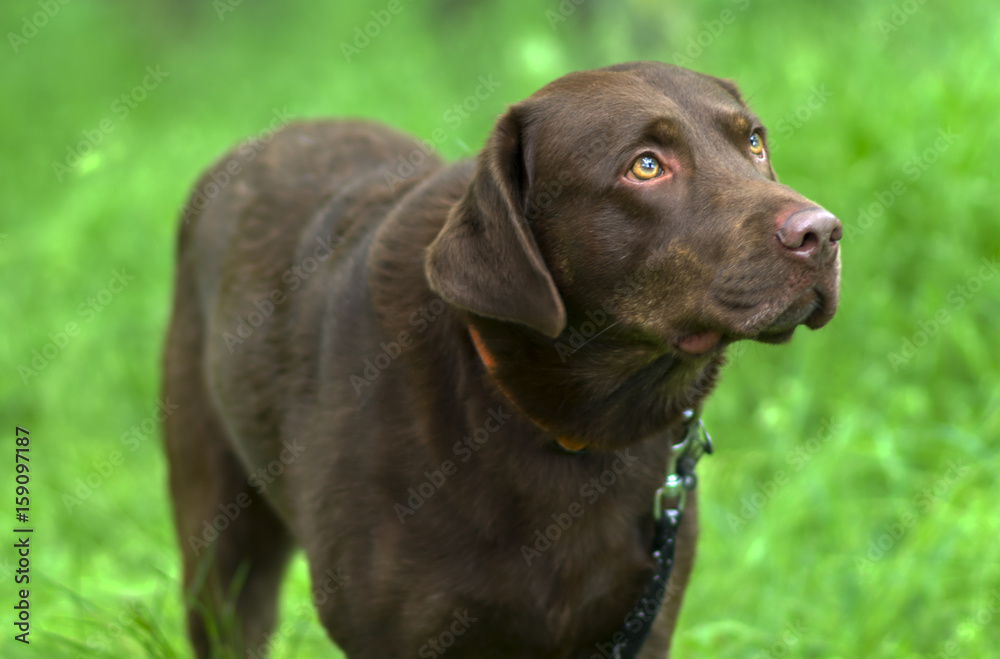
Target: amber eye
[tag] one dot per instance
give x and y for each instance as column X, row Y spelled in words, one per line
column 646, row 167
column 756, row 144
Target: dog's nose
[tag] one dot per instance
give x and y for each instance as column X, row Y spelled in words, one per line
column 810, row 234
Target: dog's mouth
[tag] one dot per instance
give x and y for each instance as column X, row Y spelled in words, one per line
column 769, row 322
column 700, row 342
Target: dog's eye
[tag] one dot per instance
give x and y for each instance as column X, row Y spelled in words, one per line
column 646, row 167
column 756, row 144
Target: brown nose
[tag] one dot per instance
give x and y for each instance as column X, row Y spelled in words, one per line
column 810, row 234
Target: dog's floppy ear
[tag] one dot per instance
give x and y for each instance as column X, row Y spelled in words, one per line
column 485, row 259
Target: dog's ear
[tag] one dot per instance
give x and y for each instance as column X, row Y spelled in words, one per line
column 731, row 87
column 485, row 259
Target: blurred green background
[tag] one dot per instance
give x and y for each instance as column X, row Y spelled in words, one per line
column 851, row 508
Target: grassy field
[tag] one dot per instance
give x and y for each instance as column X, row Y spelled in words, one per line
column 850, row 510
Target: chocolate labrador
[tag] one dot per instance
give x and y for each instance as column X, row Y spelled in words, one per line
column 464, row 390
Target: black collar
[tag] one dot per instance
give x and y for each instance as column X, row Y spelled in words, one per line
column 668, row 504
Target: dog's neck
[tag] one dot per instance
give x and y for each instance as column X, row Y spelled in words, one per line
column 569, row 444
column 605, row 395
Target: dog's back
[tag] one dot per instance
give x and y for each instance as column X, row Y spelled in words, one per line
column 266, row 225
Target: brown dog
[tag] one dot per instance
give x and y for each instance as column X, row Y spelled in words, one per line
column 458, row 389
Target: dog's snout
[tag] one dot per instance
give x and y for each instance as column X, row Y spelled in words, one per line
column 810, row 234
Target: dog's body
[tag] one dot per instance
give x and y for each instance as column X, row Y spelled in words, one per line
column 323, row 351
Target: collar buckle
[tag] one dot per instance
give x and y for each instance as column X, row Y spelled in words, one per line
column 681, row 477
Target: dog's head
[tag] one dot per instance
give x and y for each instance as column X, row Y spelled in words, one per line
column 644, row 192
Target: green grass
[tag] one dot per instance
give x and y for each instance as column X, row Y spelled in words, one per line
column 825, row 446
